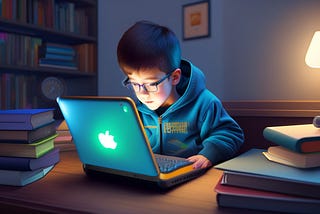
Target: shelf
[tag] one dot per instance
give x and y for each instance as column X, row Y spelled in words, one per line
column 27, row 25
column 46, row 34
column 92, row 3
column 44, row 71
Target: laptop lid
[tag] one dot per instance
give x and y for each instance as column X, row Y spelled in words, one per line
column 108, row 134
column 109, row 137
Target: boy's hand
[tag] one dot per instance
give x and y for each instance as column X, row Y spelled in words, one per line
column 200, row 161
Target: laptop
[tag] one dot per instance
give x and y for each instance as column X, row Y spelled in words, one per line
column 109, row 137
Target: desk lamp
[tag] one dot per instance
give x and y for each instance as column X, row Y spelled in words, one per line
column 313, row 60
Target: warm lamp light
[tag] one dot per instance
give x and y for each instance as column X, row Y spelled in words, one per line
column 313, row 54
column 313, row 60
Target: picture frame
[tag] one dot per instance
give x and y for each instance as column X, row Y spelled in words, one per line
column 196, row 20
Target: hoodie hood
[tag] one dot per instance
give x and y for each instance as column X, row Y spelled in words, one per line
column 192, row 83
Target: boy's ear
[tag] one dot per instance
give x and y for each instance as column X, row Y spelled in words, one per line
column 176, row 76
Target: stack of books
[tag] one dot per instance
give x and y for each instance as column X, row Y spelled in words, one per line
column 27, row 151
column 64, row 140
column 253, row 181
column 57, row 56
column 297, row 145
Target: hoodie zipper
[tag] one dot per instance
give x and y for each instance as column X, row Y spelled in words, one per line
column 160, row 131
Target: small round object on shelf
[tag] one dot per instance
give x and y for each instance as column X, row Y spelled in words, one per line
column 52, row 87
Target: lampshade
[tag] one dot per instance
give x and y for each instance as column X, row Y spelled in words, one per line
column 313, row 55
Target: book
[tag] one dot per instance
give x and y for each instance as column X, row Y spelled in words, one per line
column 22, row 178
column 56, row 49
column 29, row 164
column 32, row 150
column 64, row 146
column 43, row 61
column 64, row 133
column 54, row 56
column 299, row 138
column 252, row 170
column 64, row 142
column 25, row 119
column 285, row 156
column 27, row 136
column 62, row 126
column 63, row 129
column 236, row 197
column 58, row 66
column 64, row 139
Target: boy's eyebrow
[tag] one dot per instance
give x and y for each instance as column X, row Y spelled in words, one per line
column 148, row 79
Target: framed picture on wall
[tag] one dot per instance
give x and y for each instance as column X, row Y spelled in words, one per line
column 196, row 20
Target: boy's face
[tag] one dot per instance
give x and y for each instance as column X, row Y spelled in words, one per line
column 165, row 93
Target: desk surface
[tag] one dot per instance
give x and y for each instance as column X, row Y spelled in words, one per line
column 66, row 189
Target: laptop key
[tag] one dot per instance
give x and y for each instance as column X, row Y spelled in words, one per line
column 170, row 163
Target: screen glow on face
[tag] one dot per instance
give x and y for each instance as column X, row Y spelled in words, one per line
column 107, row 140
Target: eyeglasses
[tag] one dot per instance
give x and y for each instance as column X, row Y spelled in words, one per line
column 148, row 87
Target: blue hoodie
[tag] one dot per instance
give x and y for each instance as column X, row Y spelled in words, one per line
column 195, row 124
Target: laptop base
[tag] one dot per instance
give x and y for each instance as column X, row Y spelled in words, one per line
column 94, row 171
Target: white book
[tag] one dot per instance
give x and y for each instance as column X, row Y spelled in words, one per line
column 285, row 156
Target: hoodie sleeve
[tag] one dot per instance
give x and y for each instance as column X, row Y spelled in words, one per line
column 221, row 136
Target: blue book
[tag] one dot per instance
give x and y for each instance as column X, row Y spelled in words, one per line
column 44, row 61
column 56, row 49
column 29, row 164
column 61, row 57
column 303, row 138
column 253, row 170
column 25, row 119
column 22, row 178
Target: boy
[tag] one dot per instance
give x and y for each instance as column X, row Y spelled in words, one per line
column 181, row 117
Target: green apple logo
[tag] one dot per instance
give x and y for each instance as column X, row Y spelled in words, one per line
column 107, row 140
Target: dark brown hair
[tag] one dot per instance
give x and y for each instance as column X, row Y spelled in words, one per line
column 148, row 45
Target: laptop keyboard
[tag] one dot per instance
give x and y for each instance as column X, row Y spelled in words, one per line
column 170, row 163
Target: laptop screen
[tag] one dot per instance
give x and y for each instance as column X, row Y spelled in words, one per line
column 108, row 133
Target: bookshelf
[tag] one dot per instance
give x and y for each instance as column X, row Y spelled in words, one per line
column 27, row 26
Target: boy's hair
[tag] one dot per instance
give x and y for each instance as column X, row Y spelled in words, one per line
column 148, row 45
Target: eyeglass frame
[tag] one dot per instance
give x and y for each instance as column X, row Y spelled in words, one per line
column 126, row 82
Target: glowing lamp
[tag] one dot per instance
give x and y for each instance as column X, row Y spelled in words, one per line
column 313, row 54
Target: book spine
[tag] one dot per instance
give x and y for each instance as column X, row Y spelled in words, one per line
column 57, row 62
column 44, row 148
column 54, row 56
column 58, row 66
column 58, row 50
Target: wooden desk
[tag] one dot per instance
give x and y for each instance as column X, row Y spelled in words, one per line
column 66, row 189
